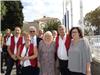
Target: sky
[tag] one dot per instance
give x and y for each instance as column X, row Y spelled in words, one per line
column 35, row 9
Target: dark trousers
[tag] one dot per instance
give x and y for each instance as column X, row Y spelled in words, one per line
column 63, row 66
column 30, row 70
column 1, row 61
column 10, row 64
column 75, row 73
column 4, row 56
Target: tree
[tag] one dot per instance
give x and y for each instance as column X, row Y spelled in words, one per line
column 4, row 10
column 93, row 19
column 52, row 25
column 14, row 15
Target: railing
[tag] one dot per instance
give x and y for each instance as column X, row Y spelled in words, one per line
column 95, row 46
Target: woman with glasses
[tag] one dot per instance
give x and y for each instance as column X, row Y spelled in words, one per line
column 79, row 53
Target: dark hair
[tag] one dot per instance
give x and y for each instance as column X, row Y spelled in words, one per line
column 79, row 31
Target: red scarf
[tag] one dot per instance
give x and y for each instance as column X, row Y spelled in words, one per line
column 5, row 39
column 12, row 46
column 30, row 53
column 67, row 42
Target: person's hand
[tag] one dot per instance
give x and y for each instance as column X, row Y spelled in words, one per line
column 25, row 58
column 14, row 57
column 38, row 64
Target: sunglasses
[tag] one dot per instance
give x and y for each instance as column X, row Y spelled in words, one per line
column 32, row 31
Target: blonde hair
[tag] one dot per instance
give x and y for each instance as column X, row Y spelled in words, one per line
column 48, row 33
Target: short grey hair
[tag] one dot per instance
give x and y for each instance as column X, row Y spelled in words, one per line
column 32, row 27
column 61, row 26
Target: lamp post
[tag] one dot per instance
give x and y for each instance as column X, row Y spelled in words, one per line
column 67, row 14
column 71, row 9
column 81, row 15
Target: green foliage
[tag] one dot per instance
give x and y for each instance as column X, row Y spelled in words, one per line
column 93, row 19
column 52, row 25
column 3, row 9
column 14, row 15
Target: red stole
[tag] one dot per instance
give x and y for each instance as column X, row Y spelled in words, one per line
column 30, row 53
column 5, row 39
column 67, row 42
column 12, row 46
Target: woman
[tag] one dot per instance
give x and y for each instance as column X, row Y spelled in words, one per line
column 47, row 55
column 79, row 53
column 27, row 55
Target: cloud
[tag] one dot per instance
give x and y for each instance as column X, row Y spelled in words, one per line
column 35, row 9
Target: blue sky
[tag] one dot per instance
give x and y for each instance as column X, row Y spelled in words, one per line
column 35, row 9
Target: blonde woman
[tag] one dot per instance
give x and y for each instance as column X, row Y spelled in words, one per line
column 27, row 55
column 47, row 54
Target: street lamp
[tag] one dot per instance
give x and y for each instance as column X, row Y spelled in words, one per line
column 67, row 14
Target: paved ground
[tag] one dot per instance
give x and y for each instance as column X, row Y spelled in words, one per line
column 12, row 73
column 95, row 68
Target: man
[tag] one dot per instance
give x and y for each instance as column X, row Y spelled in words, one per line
column 62, row 46
column 40, row 33
column 13, row 43
column 4, row 53
column 34, row 39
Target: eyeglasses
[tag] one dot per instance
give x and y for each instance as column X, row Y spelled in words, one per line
column 32, row 31
column 74, row 32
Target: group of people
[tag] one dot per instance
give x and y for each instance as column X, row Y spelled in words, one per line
column 48, row 53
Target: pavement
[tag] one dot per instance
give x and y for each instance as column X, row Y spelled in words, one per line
column 95, row 68
column 12, row 73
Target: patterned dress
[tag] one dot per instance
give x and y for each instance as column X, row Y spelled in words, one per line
column 47, row 58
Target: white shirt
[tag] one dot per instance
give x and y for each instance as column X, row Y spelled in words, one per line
column 26, row 62
column 8, row 43
column 62, row 52
column 23, row 40
column 34, row 40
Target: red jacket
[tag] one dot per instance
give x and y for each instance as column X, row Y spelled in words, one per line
column 67, row 42
column 30, row 53
column 12, row 46
column 5, row 39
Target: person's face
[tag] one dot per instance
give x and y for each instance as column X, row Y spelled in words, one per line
column 61, row 31
column 17, row 30
column 75, row 34
column 23, row 33
column 32, row 32
column 7, row 32
column 27, row 38
column 48, row 38
column 54, row 33
column 40, row 32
